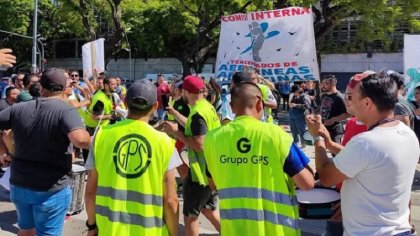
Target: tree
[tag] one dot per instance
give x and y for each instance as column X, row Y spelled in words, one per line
column 376, row 18
column 189, row 29
column 184, row 29
column 96, row 16
column 53, row 23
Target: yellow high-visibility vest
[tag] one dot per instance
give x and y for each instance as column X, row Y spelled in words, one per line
column 245, row 159
column 196, row 159
column 131, row 158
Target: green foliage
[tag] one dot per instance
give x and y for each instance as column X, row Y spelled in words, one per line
column 189, row 29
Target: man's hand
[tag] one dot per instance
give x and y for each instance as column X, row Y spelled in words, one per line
column 170, row 110
column 6, row 57
column 5, row 160
column 323, row 132
column 170, row 127
column 314, row 124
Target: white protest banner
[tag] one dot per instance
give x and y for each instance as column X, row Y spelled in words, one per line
column 93, row 55
column 411, row 63
column 281, row 43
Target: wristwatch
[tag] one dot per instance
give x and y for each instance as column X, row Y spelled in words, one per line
column 91, row 227
column 318, row 138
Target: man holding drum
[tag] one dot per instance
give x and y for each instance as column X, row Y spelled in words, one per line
column 377, row 166
column 260, row 198
column 41, row 165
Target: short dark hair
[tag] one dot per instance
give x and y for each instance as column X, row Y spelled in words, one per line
column 398, row 79
column 296, row 88
column 381, row 89
column 240, row 76
column 139, row 112
column 27, row 79
column 331, row 78
column 35, row 90
column 9, row 90
column 244, row 94
column 418, row 87
column 108, row 79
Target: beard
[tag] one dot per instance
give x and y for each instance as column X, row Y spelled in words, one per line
column 185, row 99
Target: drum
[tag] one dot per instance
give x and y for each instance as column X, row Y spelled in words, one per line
column 77, row 186
column 317, row 203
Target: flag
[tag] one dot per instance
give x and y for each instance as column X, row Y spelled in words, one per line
column 280, row 43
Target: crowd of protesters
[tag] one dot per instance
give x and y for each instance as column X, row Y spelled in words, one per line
column 241, row 169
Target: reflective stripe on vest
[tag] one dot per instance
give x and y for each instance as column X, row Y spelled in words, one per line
column 127, row 195
column 131, row 159
column 259, row 215
column 257, row 193
column 129, row 218
column 262, row 201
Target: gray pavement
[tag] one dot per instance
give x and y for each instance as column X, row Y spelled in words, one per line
column 75, row 226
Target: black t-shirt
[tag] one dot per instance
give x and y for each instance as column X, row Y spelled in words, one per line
column 184, row 109
column 405, row 108
column 332, row 105
column 42, row 159
column 198, row 125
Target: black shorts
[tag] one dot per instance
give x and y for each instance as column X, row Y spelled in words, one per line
column 196, row 197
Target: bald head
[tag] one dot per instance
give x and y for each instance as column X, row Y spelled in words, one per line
column 245, row 97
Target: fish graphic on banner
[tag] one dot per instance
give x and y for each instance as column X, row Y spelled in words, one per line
column 281, row 43
column 411, row 63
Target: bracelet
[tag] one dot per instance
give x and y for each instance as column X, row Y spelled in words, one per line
column 318, row 138
column 91, row 227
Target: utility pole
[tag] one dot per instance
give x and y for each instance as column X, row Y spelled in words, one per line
column 34, row 36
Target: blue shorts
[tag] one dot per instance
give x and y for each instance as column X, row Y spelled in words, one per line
column 44, row 211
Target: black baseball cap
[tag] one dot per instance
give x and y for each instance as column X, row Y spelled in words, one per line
column 141, row 94
column 53, row 79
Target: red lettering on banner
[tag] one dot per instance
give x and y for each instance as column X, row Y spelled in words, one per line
column 236, row 17
column 290, row 64
column 258, row 16
column 294, row 11
column 306, row 10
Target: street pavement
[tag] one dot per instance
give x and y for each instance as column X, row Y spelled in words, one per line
column 75, row 225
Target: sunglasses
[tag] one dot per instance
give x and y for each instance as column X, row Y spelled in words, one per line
column 74, row 75
column 357, row 78
column 348, row 97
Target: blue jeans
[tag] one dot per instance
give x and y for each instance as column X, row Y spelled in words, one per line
column 44, row 211
column 333, row 228
column 297, row 127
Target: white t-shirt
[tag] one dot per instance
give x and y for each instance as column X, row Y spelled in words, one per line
column 381, row 165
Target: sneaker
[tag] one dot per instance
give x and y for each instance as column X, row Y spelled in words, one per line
column 413, row 230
